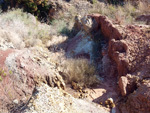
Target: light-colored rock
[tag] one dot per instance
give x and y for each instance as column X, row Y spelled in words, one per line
column 54, row 100
column 15, row 101
column 81, row 46
column 109, row 102
column 87, row 24
column 123, row 81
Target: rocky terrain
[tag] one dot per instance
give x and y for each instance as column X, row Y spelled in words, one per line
column 99, row 66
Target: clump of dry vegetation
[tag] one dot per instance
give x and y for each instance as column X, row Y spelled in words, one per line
column 25, row 25
column 79, row 71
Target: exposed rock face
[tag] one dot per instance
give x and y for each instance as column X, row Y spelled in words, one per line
column 127, row 45
column 138, row 101
column 83, row 45
column 128, row 50
column 28, row 68
column 80, row 46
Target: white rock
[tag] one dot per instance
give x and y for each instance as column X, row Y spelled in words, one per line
column 15, row 101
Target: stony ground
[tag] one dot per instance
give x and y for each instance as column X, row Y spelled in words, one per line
column 57, row 101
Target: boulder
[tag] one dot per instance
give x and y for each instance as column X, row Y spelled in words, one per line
column 139, row 100
column 123, row 81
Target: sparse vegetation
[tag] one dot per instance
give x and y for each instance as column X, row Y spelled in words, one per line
column 80, row 71
column 10, row 72
column 62, row 27
column 1, row 78
column 25, row 25
column 3, row 73
column 122, row 14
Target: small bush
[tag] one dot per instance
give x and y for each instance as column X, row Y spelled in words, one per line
column 144, row 7
column 61, row 27
column 80, row 71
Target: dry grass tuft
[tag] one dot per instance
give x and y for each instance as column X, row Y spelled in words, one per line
column 25, row 25
column 80, row 71
column 144, row 7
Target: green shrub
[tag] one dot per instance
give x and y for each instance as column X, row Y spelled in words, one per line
column 36, row 7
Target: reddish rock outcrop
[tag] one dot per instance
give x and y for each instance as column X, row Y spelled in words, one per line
column 128, row 49
column 139, row 100
column 128, row 45
column 24, row 69
column 123, row 81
